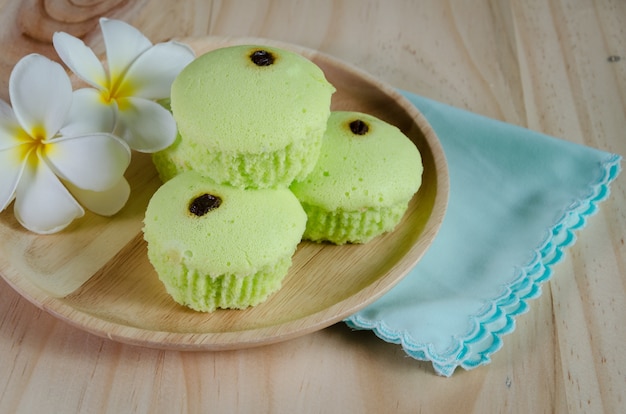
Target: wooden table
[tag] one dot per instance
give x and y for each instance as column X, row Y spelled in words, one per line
column 555, row 66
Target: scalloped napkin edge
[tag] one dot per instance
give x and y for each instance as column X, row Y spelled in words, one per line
column 470, row 339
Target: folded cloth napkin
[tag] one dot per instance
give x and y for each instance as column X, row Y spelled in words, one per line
column 516, row 198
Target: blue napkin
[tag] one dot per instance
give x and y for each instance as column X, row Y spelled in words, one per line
column 516, row 199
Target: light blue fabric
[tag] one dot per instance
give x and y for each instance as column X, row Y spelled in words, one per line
column 516, row 198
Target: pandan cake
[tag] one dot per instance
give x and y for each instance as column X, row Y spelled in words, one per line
column 216, row 246
column 366, row 174
column 248, row 116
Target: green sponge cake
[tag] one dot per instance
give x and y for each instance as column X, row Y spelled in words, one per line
column 248, row 116
column 367, row 173
column 215, row 246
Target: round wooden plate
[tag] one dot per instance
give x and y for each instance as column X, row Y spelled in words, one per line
column 96, row 276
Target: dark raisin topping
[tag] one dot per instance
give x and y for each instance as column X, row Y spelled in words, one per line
column 203, row 204
column 262, row 58
column 359, row 127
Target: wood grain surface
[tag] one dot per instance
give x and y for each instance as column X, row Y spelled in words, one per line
column 556, row 66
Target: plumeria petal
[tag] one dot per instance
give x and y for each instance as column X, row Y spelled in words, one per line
column 13, row 152
column 123, row 44
column 80, row 59
column 91, row 162
column 41, row 94
column 145, row 125
column 42, row 204
column 104, row 203
column 11, row 167
column 11, row 133
column 5, row 110
column 89, row 114
column 151, row 75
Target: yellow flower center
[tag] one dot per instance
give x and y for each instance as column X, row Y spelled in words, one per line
column 34, row 144
column 118, row 90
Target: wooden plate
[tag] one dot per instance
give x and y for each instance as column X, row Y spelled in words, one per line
column 122, row 299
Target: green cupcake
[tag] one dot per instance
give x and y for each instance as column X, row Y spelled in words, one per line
column 367, row 173
column 248, row 116
column 216, row 246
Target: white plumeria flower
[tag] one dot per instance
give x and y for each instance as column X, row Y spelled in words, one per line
column 138, row 74
column 52, row 157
